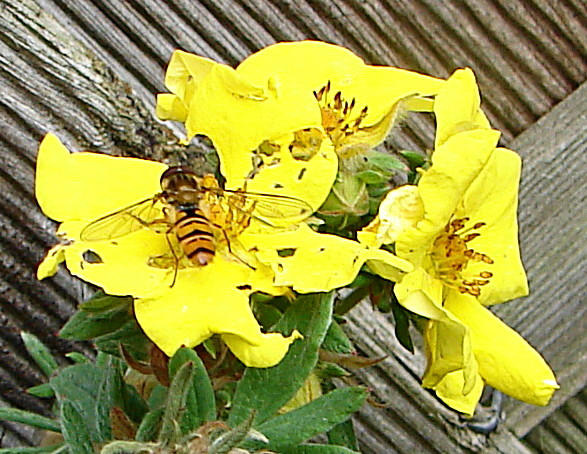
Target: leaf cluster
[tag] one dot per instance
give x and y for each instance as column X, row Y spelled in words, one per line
column 131, row 398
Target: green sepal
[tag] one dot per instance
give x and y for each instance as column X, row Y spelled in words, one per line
column 28, row 418
column 384, row 161
column 43, row 391
column 320, row 415
column 40, row 353
column 415, row 159
column 267, row 390
column 200, row 405
column 74, row 429
column 372, row 177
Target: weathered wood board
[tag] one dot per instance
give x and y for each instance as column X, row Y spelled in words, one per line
column 529, row 55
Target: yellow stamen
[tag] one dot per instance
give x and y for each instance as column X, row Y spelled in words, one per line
column 451, row 256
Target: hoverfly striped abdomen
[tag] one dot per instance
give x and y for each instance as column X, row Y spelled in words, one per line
column 195, row 235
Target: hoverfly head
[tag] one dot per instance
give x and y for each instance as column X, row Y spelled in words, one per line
column 180, row 186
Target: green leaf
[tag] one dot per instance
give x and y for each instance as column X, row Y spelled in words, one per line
column 319, row 449
column 77, row 357
column 43, row 449
column 402, row 326
column 336, row 340
column 28, row 418
column 84, row 325
column 231, row 439
column 101, row 302
column 267, row 390
column 109, row 395
column 320, row 415
column 158, row 397
column 74, row 429
column 267, row 314
column 200, row 403
column 343, row 434
column 80, row 384
column 133, row 404
column 176, row 399
column 44, row 390
column 40, row 354
column 130, row 336
column 150, row 425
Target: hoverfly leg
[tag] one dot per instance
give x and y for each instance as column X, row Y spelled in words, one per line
column 231, row 251
column 175, row 260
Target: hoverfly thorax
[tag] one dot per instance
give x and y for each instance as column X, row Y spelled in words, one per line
column 180, row 186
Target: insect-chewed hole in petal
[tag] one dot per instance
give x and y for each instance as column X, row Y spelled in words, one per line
column 306, row 143
column 92, row 257
column 286, row 252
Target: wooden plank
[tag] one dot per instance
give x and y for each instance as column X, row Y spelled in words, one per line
column 552, row 217
column 528, row 55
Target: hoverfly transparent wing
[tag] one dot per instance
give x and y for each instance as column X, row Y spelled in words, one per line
column 271, row 209
column 143, row 214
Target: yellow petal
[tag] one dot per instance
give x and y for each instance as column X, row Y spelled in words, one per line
column 455, row 164
column 448, row 343
column 184, row 72
column 309, row 391
column 506, row 361
column 207, row 300
column 120, row 266
column 90, row 185
column 48, row 267
column 493, row 198
column 457, row 106
column 269, row 352
column 171, row 107
column 450, row 390
column 400, row 210
column 309, row 179
column 314, row 262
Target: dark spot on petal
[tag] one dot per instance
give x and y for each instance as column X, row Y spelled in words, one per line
column 280, row 267
column 244, row 287
column 91, row 257
column 322, row 249
column 278, row 186
column 287, row 252
column 301, row 174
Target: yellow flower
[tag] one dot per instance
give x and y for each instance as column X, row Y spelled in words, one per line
column 458, row 228
column 78, row 188
column 281, row 117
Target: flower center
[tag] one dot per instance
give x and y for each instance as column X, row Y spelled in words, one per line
column 337, row 115
column 451, row 255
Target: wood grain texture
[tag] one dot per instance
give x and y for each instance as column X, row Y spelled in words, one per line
column 61, row 67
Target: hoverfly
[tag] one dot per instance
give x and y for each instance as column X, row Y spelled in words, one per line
column 194, row 210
